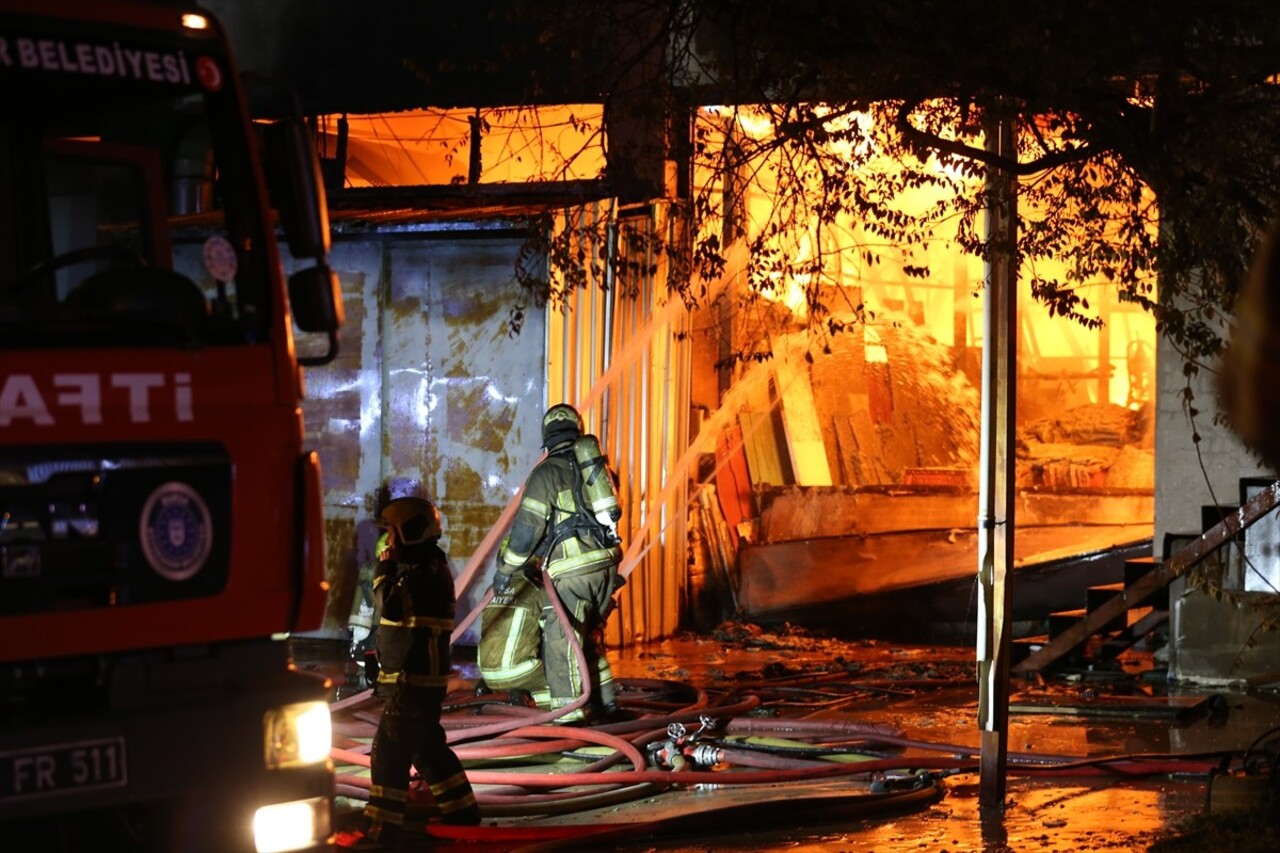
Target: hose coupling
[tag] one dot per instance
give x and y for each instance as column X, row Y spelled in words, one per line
column 901, row 780
column 705, row 755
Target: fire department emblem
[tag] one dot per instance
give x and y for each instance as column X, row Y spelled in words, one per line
column 175, row 531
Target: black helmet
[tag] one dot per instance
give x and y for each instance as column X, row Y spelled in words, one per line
column 561, row 423
column 414, row 520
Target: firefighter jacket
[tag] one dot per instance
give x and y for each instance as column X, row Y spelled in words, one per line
column 549, row 526
column 414, row 592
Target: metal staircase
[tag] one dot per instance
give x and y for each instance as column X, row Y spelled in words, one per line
column 1116, row 616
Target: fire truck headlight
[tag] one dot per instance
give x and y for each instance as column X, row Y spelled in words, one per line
column 297, row 735
column 291, row 826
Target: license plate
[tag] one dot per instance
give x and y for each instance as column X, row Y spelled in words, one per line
column 62, row 768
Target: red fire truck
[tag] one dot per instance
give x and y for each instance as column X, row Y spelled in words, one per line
column 161, row 529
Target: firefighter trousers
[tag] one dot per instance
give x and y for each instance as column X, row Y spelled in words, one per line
column 586, row 598
column 410, row 735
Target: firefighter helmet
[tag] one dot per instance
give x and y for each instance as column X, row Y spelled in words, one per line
column 561, row 423
column 413, row 520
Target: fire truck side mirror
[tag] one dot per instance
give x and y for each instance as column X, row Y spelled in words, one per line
column 297, row 192
column 297, row 188
column 315, row 298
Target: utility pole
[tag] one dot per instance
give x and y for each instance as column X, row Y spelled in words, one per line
column 995, row 490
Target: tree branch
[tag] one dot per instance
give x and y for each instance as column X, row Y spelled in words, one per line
column 920, row 138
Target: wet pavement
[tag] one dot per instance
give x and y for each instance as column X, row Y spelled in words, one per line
column 1174, row 735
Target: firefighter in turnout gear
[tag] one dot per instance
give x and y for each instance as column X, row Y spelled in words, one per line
column 554, row 533
column 510, row 651
column 413, row 591
column 364, row 616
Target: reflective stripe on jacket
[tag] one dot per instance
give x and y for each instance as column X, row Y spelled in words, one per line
column 510, row 650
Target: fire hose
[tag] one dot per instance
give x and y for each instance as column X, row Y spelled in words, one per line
column 659, row 751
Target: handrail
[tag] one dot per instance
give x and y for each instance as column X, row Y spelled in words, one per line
column 1226, row 530
column 1210, row 541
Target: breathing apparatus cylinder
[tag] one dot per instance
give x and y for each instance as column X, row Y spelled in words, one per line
column 597, row 482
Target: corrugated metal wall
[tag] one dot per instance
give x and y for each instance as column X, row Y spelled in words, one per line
column 618, row 349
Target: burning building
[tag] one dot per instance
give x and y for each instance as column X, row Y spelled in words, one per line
column 814, row 389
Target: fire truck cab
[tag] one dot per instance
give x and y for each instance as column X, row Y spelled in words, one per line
column 161, row 528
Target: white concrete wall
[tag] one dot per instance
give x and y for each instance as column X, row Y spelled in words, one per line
column 1207, row 637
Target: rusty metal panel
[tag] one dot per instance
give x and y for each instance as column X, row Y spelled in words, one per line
column 340, row 400
column 429, row 395
column 466, row 398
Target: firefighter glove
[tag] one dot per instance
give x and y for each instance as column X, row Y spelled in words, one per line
column 502, row 582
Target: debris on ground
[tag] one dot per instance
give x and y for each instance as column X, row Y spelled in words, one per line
column 802, row 652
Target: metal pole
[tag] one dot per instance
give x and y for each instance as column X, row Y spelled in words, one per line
column 996, row 522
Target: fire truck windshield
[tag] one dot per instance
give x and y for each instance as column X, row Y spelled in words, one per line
column 129, row 210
